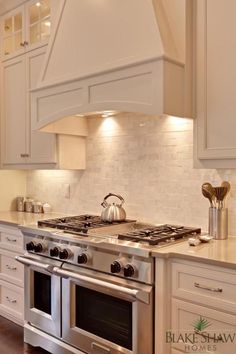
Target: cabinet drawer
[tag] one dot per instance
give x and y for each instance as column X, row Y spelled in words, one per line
column 211, row 286
column 218, row 337
column 10, row 269
column 11, row 299
column 11, row 239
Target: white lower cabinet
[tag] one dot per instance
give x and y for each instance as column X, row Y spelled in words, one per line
column 11, row 274
column 203, row 308
column 219, row 336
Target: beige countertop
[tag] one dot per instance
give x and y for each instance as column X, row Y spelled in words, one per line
column 222, row 253
column 15, row 218
column 217, row 252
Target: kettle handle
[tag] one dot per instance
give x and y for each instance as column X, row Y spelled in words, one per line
column 105, row 204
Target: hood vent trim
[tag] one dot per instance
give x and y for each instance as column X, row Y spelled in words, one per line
column 150, row 83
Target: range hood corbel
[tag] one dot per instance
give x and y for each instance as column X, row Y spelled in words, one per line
column 123, row 56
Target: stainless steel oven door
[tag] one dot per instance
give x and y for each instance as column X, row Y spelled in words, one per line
column 103, row 314
column 42, row 294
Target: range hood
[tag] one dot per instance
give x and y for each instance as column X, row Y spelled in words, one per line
column 112, row 55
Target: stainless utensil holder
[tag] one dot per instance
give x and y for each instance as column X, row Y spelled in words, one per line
column 218, row 223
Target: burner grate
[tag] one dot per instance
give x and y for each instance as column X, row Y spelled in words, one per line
column 159, row 234
column 80, row 223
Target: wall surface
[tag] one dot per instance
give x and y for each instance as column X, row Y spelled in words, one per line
column 12, row 184
column 148, row 160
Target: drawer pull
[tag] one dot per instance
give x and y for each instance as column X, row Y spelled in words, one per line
column 100, row 348
column 10, row 267
column 12, row 301
column 204, row 287
column 11, row 239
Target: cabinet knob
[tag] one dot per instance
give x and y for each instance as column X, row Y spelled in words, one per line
column 24, row 155
column 23, row 44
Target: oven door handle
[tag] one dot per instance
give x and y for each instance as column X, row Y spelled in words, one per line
column 132, row 294
column 30, row 262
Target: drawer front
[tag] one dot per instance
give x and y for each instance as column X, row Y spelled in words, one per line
column 218, row 336
column 11, row 299
column 11, row 270
column 207, row 286
column 12, row 241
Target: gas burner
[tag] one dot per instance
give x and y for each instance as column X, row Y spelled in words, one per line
column 79, row 224
column 155, row 235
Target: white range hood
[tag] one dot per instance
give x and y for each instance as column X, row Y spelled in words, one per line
column 112, row 55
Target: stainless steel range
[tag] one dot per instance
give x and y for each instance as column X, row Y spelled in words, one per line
column 89, row 285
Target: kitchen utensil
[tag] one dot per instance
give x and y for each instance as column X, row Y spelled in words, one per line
column 20, row 203
column 220, row 193
column 208, row 192
column 113, row 212
column 219, row 223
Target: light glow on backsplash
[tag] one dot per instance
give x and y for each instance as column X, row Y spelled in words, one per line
column 147, row 160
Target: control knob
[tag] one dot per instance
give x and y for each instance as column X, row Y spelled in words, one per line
column 129, row 270
column 38, row 247
column 54, row 252
column 116, row 267
column 30, row 246
column 65, row 253
column 82, row 258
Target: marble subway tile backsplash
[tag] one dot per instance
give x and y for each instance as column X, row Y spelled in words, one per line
column 148, row 160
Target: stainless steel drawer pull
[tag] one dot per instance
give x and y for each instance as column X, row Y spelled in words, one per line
column 12, row 301
column 204, row 287
column 10, row 267
column 100, row 348
column 11, row 239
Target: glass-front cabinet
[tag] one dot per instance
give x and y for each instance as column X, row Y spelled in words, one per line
column 25, row 28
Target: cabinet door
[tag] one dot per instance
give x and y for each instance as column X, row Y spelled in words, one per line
column 215, row 80
column 14, row 110
column 38, row 22
column 40, row 146
column 218, row 336
column 13, row 33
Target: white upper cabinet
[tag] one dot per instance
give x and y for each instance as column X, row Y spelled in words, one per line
column 215, row 49
column 25, row 28
column 20, row 144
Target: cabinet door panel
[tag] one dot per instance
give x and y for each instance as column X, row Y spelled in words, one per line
column 215, row 79
column 12, row 33
column 14, row 110
column 187, row 315
column 40, row 146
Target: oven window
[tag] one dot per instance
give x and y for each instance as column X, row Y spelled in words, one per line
column 42, row 292
column 105, row 316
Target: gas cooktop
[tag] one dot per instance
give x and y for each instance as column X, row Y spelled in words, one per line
column 156, row 235
column 80, row 223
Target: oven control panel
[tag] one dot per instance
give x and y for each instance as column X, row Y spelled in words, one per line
column 88, row 256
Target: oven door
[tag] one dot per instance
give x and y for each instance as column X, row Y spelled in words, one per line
column 42, row 294
column 104, row 314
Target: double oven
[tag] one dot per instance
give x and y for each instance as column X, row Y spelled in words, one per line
column 92, row 312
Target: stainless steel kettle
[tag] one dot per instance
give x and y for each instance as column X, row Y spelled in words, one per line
column 113, row 212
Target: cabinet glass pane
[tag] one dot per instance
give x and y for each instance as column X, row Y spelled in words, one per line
column 35, row 33
column 34, row 12
column 45, row 29
column 18, row 40
column 18, row 22
column 45, row 8
column 8, row 26
column 8, row 45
